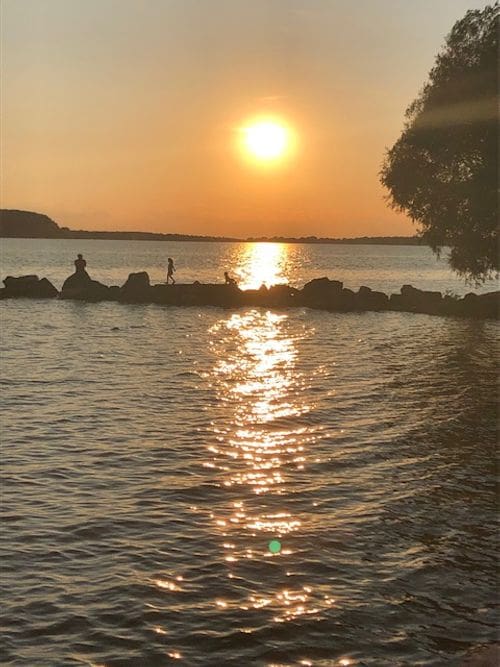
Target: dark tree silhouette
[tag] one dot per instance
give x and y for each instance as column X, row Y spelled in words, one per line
column 443, row 170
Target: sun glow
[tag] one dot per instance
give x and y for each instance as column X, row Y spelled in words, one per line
column 266, row 140
column 262, row 263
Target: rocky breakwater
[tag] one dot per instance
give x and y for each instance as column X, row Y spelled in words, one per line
column 81, row 287
column 31, row 287
column 320, row 293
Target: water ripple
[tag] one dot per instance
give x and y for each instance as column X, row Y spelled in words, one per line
column 141, row 487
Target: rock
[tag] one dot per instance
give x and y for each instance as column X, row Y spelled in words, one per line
column 77, row 281
column 480, row 305
column 321, row 293
column 282, row 295
column 137, row 281
column 20, row 286
column 347, row 300
column 320, row 285
column 136, row 288
column 420, row 301
column 113, row 293
column 380, row 301
column 396, row 302
column 80, row 286
column 197, row 295
column 367, row 299
column 451, row 305
column 163, row 294
column 91, row 291
column 29, row 287
column 46, row 290
column 253, row 297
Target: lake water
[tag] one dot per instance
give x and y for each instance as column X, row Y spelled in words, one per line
column 384, row 268
column 150, row 454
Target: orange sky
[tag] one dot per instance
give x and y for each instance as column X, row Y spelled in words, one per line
column 119, row 114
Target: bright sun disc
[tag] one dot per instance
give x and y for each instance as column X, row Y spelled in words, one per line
column 266, row 140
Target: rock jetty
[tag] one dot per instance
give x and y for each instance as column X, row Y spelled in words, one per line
column 320, row 293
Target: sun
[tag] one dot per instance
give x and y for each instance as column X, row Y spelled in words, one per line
column 266, row 140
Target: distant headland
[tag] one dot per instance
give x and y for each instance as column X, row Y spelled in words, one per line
column 28, row 224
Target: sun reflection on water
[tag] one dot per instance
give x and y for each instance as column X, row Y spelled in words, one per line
column 261, row 443
column 258, row 382
column 262, row 263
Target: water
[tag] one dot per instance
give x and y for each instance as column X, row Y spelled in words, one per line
column 384, row 268
column 150, row 454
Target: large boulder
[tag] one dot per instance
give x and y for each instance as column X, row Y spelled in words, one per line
column 90, row 291
column 282, row 295
column 45, row 289
column 321, row 293
column 480, row 305
column 30, row 287
column 419, row 301
column 22, row 285
column 79, row 280
column 137, row 288
column 346, row 301
column 81, row 287
column 321, row 285
column 367, row 299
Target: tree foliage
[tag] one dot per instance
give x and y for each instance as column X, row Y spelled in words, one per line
column 443, row 170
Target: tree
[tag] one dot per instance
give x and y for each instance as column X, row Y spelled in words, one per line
column 443, row 170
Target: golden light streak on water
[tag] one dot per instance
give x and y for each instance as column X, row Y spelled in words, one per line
column 261, row 444
column 262, row 263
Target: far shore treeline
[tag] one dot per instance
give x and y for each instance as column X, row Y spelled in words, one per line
column 27, row 224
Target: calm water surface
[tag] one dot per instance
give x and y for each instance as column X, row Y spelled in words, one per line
column 151, row 453
column 384, row 268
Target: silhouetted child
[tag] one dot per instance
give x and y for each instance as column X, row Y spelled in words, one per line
column 80, row 264
column 170, row 270
column 228, row 279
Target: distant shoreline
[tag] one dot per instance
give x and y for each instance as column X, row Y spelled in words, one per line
column 30, row 225
column 395, row 241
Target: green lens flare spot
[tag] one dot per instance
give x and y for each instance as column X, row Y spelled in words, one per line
column 275, row 546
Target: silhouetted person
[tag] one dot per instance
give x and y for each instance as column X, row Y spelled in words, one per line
column 170, row 271
column 228, row 279
column 80, row 278
column 80, row 264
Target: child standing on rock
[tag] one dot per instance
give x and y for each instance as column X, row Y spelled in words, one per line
column 170, row 271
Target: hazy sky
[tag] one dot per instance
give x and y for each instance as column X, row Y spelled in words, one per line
column 124, row 114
